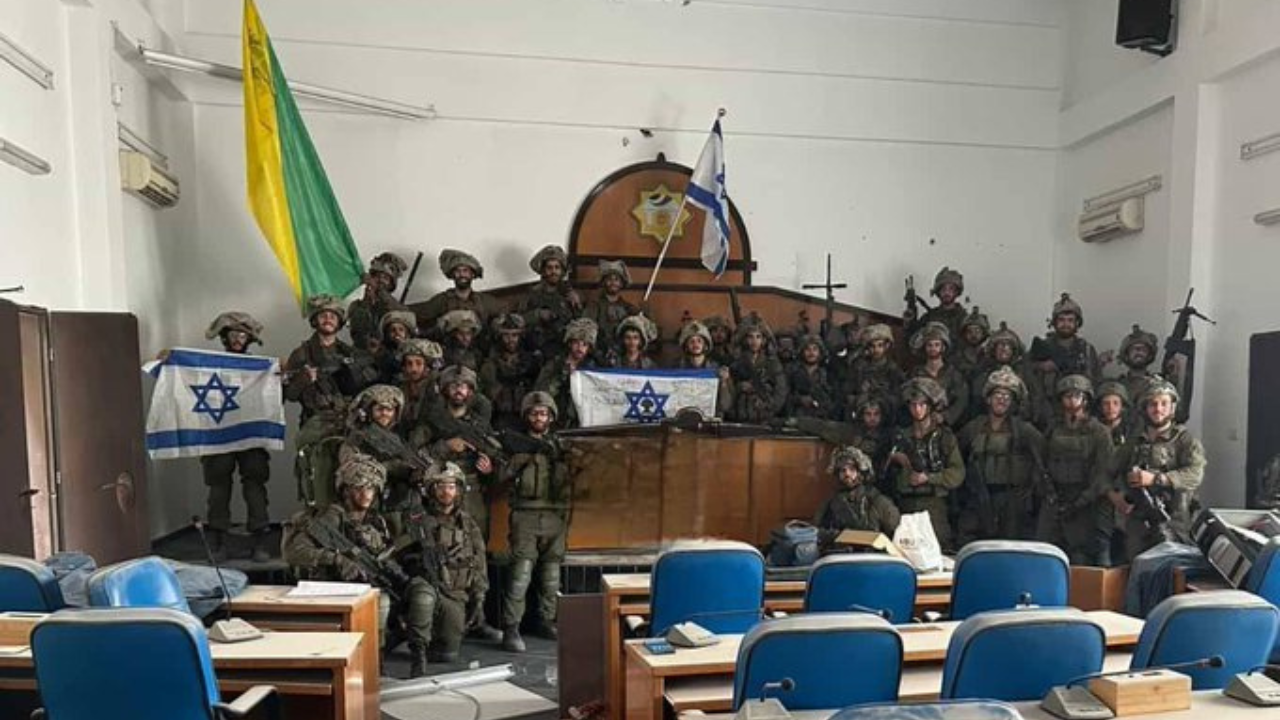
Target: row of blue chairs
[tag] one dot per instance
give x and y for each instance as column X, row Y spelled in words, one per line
column 148, row 582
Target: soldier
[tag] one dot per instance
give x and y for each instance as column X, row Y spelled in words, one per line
column 974, row 332
column 1003, row 349
column 1114, row 412
column 1158, row 474
column 609, row 309
column 856, row 504
column 348, row 541
column 550, row 303
column 509, row 372
column 634, row 334
column 813, row 391
column 459, row 433
column 540, row 500
column 785, row 348
column 447, row 549
column 395, row 327
column 927, row 457
column 1060, row 353
column 323, row 372
column 695, row 354
column 1137, row 353
column 874, row 372
column 1003, row 453
column 720, row 348
column 372, row 431
column 866, row 429
column 579, row 340
column 463, row 269
column 379, row 284
column 759, row 382
column 458, row 330
column 419, row 361
column 1073, row 514
column 932, row 343
column 948, row 286
column 237, row 331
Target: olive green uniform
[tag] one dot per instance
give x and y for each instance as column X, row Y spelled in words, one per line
column 938, row 455
column 859, row 508
column 343, row 372
column 882, row 378
column 539, row 527
column 1177, row 455
column 219, row 475
column 505, row 378
column 446, row 301
column 813, row 392
column 953, row 317
column 1078, row 517
column 765, row 395
column 364, row 316
column 447, row 549
column 1080, row 358
column 547, row 334
column 1005, row 460
column 953, row 382
column 608, row 314
column 554, row 380
column 436, row 437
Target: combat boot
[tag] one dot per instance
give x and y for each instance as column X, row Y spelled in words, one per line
column 442, row 656
column 485, row 631
column 261, row 548
column 418, row 660
column 217, row 545
column 511, row 640
column 545, row 629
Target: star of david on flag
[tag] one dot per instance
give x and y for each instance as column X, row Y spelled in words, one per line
column 225, row 405
column 646, row 406
column 706, row 190
column 615, row 396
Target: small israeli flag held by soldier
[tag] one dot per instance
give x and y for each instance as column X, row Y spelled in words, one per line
column 207, row 402
column 614, row 397
column 706, row 191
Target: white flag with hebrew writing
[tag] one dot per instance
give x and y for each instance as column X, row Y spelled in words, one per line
column 613, row 397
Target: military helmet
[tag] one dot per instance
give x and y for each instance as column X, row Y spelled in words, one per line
column 712, row 322
column 451, row 260
column 389, row 264
column 360, row 471
column 812, row 339
column 614, row 267
column 975, row 317
column 641, row 324
column 549, row 252
column 947, row 275
column 539, row 398
column 1004, row 378
column 693, row 328
column 1067, row 306
column 444, row 471
column 1069, row 383
column 508, row 322
column 866, row 400
column 928, row 389
column 388, row 395
column 235, row 320
column 932, row 330
column 404, row 317
column 850, row 455
column 753, row 323
column 1138, row 336
column 1005, row 335
column 426, row 349
column 879, row 331
column 584, row 329
column 1113, row 387
column 458, row 374
column 1157, row 386
column 458, row 320
column 317, row 304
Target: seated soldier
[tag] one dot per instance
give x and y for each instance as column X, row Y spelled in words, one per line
column 856, row 504
column 634, row 333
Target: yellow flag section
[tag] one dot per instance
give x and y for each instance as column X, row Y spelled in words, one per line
column 289, row 193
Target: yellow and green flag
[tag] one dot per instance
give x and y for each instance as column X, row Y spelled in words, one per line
column 289, row 192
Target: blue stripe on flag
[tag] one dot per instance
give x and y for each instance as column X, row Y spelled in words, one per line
column 657, row 373
column 218, row 361
column 188, row 438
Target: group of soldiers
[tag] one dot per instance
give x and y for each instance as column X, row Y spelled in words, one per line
column 407, row 430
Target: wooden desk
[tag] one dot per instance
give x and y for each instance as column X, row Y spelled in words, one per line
column 628, row 594
column 319, row 675
column 647, row 675
column 267, row 607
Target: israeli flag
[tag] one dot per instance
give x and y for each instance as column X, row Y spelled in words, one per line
column 206, row 403
column 614, row 397
column 706, row 190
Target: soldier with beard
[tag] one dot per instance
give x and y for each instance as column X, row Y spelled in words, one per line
column 509, row 372
column 813, row 391
column 458, row 330
column 610, row 308
column 1003, row 349
column 974, row 332
column 460, row 434
column 419, row 361
column 874, row 372
column 551, row 303
column 927, row 457
column 395, row 328
column 462, row 269
column 1073, row 512
column 856, row 504
column 1061, row 353
column 579, row 341
column 948, row 287
column 720, row 348
column 932, row 343
column 759, row 382
column 1137, row 353
column 379, row 285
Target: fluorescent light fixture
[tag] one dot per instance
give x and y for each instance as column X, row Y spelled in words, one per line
column 446, row 681
column 1119, row 195
column 1269, row 217
column 26, row 63
column 314, row 92
column 23, row 159
column 1261, row 146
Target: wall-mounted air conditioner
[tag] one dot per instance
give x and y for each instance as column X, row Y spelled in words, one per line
column 1112, row 221
column 140, row 176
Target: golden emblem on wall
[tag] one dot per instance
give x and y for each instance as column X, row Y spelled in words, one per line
column 656, row 211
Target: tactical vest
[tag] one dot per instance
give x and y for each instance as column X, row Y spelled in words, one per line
column 543, row 483
column 1068, row 458
column 1161, row 456
column 457, row 557
column 926, row 455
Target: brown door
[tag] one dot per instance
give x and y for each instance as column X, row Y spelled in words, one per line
column 97, row 380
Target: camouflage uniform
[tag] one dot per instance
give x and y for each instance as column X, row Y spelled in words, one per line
column 720, row 352
column 445, row 301
column 1016, row 362
column 861, row 507
column 867, row 377
column 1081, row 359
column 968, row 358
column 813, row 392
column 387, row 356
column 935, row 453
column 368, row 439
column 505, row 377
column 873, row 442
column 419, row 395
column 1129, row 424
column 440, row 420
column 948, row 377
column 952, row 316
column 554, row 377
column 648, row 333
column 545, row 332
column 1137, row 375
column 344, row 370
column 759, row 382
column 608, row 313
column 1078, row 456
column 724, row 392
column 366, row 313
column 459, row 321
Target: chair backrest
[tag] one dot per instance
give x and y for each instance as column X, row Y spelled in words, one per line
column 837, row 583
column 139, row 664
column 1018, row 655
column 1264, row 581
column 947, row 710
column 28, row 586
column 1000, row 574
column 142, row 583
column 1238, row 625
column 718, row 585
column 834, row 659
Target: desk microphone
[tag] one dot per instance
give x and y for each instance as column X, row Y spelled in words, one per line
column 885, row 613
column 229, row 629
column 786, row 684
column 1255, row 688
column 765, row 707
column 1074, row 702
column 1213, row 661
column 688, row 633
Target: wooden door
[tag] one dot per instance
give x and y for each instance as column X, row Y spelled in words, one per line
column 97, row 380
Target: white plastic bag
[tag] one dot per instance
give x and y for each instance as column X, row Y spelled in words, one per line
column 918, row 543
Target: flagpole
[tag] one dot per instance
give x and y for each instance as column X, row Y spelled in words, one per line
column 720, row 112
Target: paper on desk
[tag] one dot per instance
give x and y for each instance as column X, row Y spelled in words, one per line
column 316, row 588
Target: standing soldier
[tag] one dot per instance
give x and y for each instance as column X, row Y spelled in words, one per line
column 1002, row 449
column 874, row 371
column 948, row 286
column 237, row 331
column 447, row 549
column 927, row 457
column 759, row 383
column 974, row 332
column 458, row 330
column 395, row 328
column 610, row 308
column 720, row 349
column 856, row 504
column 1003, row 349
column 324, row 372
column 550, row 303
column 1061, row 353
column 540, row 500
column 509, row 372
column 932, row 343
column 379, row 284
column 1158, row 474
column 463, row 269
column 1114, row 412
column 1073, row 512
column 695, row 354
column 1137, row 353
column 419, row 360
column 458, row 432
column 813, row 391
column 634, row 333
column 372, row 431
column 579, row 341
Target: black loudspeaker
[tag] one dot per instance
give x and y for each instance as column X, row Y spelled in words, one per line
column 1148, row 25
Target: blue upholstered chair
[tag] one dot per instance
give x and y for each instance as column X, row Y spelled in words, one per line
column 1019, row 654
column 142, row 583
column 1001, row 574
column 834, row 659
column 718, row 585
column 134, row 664
column 1264, row 581
column 1238, row 625
column 28, row 586
column 958, row 709
column 879, row 583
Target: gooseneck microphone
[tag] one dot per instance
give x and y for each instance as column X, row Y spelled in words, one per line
column 208, row 553
column 1213, row 661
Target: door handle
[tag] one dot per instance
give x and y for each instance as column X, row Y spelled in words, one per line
column 124, row 490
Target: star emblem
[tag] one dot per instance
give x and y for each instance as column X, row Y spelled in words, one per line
column 646, row 406
column 214, row 383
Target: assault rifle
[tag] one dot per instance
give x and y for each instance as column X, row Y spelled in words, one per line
column 914, row 301
column 1179, row 361
column 381, row 570
column 1150, row 507
column 976, row 482
column 1069, row 363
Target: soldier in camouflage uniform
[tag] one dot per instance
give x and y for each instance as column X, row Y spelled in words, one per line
column 932, row 343
column 868, row 429
column 419, row 361
column 1002, row 451
column 1062, row 345
column 634, row 334
column 948, row 287
column 396, row 327
column 720, row 349
column 540, row 506
column 551, row 303
column 813, row 390
column 786, row 348
column 1137, row 353
column 856, row 504
column 579, row 341
column 454, row 429
column 1114, row 412
column 1074, row 513
column 759, row 382
column 610, row 308
column 969, row 356
column 695, row 354
column 458, row 330
column 444, row 546
column 379, row 285
column 372, row 426
column 1164, row 463
column 1003, row 349
column 509, row 372
column 237, row 331
column 463, row 269
column 874, row 371
column 927, row 457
